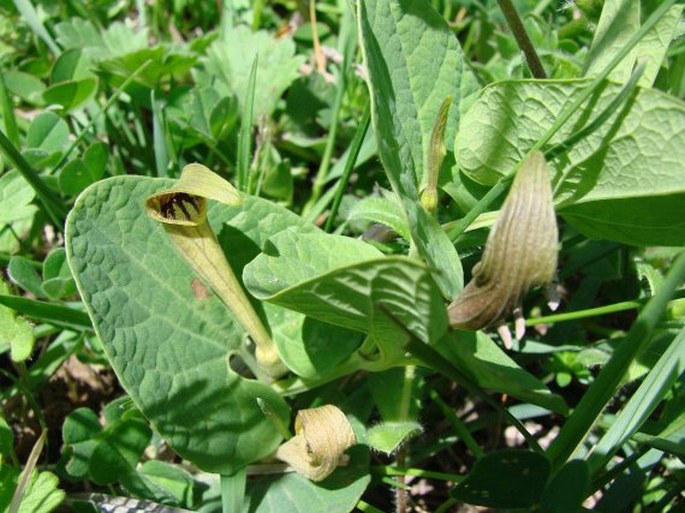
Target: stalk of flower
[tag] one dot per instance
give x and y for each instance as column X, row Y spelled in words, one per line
column 182, row 210
column 322, row 435
column 520, row 253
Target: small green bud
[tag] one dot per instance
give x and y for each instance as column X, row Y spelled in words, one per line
column 435, row 157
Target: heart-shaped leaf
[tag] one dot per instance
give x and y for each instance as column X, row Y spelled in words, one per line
column 170, row 345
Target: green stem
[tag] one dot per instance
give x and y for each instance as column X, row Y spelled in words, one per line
column 521, row 36
column 459, row 427
column 233, row 491
column 367, row 508
column 349, row 166
column 600, row 393
column 432, row 359
column 563, row 117
column 499, row 188
column 322, row 173
column 386, row 470
column 595, row 312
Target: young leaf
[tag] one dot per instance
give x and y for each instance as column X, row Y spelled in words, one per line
column 387, row 437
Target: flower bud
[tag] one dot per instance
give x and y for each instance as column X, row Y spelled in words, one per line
column 520, row 253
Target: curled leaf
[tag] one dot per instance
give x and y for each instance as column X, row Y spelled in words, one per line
column 183, row 211
column 521, row 251
column 322, row 435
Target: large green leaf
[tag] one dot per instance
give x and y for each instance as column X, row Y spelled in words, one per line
column 308, row 347
column 345, row 282
column 170, row 346
column 292, row 257
column 358, row 296
column 414, row 63
column 614, row 178
column 425, row 65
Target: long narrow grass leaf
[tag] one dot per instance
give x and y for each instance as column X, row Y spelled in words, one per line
column 233, row 491
column 158, row 137
column 322, row 173
column 642, row 403
column 50, row 202
column 52, row 313
column 30, row 15
column 245, row 137
column 8, row 116
column 349, row 166
column 25, row 477
column 627, row 90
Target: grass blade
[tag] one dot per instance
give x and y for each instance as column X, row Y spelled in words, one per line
column 643, row 402
column 158, row 137
column 600, row 393
column 245, row 137
column 48, row 312
column 29, row 14
column 8, row 116
column 25, row 477
column 50, row 202
column 349, row 166
column 233, row 491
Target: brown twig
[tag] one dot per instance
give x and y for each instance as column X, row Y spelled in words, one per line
column 522, row 38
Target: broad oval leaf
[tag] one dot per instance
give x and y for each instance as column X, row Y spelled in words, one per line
column 353, row 290
column 613, row 178
column 170, row 345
